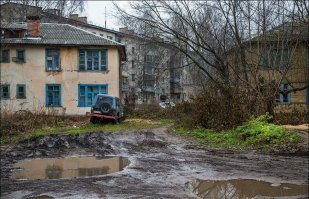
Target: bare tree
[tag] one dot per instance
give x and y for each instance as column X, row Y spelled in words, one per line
column 240, row 46
column 66, row 7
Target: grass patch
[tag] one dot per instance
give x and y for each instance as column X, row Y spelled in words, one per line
column 257, row 134
column 129, row 124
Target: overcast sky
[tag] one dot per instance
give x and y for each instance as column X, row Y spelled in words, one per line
column 95, row 11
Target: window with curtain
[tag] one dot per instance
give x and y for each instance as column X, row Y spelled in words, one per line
column 52, row 60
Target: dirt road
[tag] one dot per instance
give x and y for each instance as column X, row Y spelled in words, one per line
column 162, row 165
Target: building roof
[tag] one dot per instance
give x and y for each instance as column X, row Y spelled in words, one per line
column 45, row 14
column 26, row 4
column 67, row 20
column 60, row 34
column 288, row 31
column 14, row 26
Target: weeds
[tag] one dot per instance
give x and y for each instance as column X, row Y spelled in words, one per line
column 129, row 124
column 23, row 124
column 24, row 121
column 257, row 134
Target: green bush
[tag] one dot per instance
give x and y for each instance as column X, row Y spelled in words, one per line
column 261, row 133
column 257, row 133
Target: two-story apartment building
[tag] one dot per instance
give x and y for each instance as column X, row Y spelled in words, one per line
column 57, row 67
column 143, row 81
column 278, row 61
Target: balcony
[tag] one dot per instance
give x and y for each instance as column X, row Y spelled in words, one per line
column 150, row 89
column 176, row 90
column 175, row 80
column 125, row 88
column 149, row 71
column 125, row 84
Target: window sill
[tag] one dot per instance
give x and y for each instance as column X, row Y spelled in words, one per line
column 19, row 62
column 5, row 98
column 94, row 71
column 283, row 103
column 53, row 70
column 53, row 106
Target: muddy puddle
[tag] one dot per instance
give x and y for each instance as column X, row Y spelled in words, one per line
column 68, row 167
column 246, row 188
column 161, row 163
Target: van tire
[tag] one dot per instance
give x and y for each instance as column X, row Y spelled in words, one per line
column 105, row 108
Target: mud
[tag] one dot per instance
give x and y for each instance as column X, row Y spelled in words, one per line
column 303, row 132
column 243, row 188
column 161, row 166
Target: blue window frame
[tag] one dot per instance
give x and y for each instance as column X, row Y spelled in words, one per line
column 53, row 95
column 5, row 55
column 20, row 55
column 52, row 59
column 92, row 60
column 87, row 93
column 4, row 91
column 284, row 98
column 20, row 91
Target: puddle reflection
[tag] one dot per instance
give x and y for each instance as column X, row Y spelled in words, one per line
column 69, row 167
column 245, row 188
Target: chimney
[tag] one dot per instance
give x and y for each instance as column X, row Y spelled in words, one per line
column 123, row 30
column 82, row 19
column 126, row 30
column 73, row 16
column 33, row 26
column 53, row 11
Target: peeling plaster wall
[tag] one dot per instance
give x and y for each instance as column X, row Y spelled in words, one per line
column 33, row 74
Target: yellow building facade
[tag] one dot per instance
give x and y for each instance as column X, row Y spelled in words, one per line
column 61, row 77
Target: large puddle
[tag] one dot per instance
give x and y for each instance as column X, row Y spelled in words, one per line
column 244, row 188
column 68, row 167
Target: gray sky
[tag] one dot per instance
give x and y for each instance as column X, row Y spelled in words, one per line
column 95, row 11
